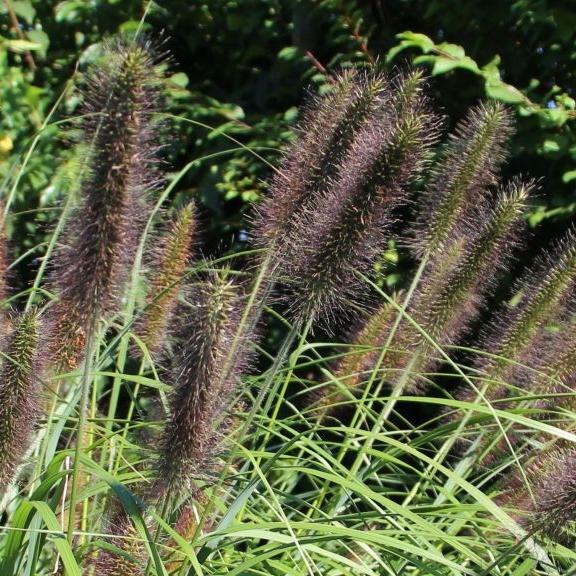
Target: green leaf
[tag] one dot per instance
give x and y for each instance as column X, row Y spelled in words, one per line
column 69, row 10
column 499, row 90
column 452, row 50
column 410, row 40
column 553, row 117
column 20, row 46
column 21, row 520
column 24, row 10
column 290, row 53
column 550, row 146
column 180, row 79
column 444, row 64
column 41, row 38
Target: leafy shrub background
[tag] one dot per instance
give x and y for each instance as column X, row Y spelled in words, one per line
column 243, row 67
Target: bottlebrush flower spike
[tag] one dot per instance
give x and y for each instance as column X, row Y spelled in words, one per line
column 353, row 369
column 326, row 131
column 3, row 258
column 545, row 291
column 517, row 339
column 339, row 234
column 131, row 557
column 451, row 292
column 4, row 287
column 167, row 269
column 205, row 379
column 19, row 395
column 555, row 366
column 460, row 276
column 119, row 134
column 466, row 167
column 549, row 506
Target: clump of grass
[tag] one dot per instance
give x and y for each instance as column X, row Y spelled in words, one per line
column 457, row 272
column 377, row 492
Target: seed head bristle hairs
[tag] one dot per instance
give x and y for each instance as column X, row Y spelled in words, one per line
column 463, row 235
column 204, row 383
column 90, row 270
column 526, row 356
column 340, row 227
column 20, row 387
column 167, row 266
column 119, row 130
column 4, row 264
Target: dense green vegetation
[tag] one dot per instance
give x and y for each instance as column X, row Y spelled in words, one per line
column 243, row 67
column 289, row 287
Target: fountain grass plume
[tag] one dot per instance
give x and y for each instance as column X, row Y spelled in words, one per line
column 127, row 555
column 518, row 333
column 548, row 505
column 555, row 371
column 4, row 276
column 460, row 277
column 3, row 259
column 119, row 133
column 339, row 235
column 19, row 394
column 451, row 292
column 205, row 383
column 324, row 135
column 350, row 371
column 466, row 167
column 166, row 270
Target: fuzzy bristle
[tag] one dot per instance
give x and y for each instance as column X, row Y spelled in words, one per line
column 548, row 506
column 19, row 395
column 351, row 371
column 130, row 557
column 459, row 278
column 466, row 167
column 209, row 363
column 3, row 259
column 325, row 135
column 518, row 338
column 339, row 234
column 555, row 367
column 452, row 289
column 118, row 132
column 167, row 268
column 4, row 284
column 545, row 290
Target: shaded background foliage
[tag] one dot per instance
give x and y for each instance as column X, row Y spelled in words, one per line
column 242, row 67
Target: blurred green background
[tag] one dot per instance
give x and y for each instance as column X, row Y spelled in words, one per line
column 242, row 67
